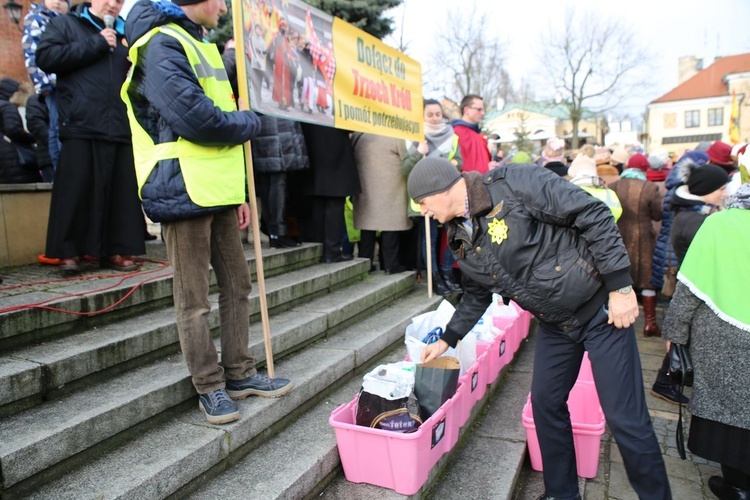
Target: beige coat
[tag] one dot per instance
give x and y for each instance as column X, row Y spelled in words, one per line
column 383, row 202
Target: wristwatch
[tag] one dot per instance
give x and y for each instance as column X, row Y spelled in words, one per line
column 625, row 290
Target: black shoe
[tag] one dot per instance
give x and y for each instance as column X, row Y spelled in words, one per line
column 218, row 407
column 149, row 237
column 669, row 393
column 439, row 287
column 725, row 491
column 450, row 282
column 283, row 241
column 396, row 269
column 340, row 258
column 258, row 385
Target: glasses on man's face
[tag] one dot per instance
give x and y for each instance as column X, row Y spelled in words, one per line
column 481, row 110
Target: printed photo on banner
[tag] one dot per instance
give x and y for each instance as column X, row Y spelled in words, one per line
column 305, row 65
column 290, row 60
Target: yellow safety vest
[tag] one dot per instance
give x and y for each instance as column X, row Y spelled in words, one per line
column 454, row 148
column 214, row 175
column 609, row 198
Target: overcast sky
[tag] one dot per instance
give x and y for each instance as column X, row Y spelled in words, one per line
column 672, row 28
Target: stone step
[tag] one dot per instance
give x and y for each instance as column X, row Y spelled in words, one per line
column 181, row 451
column 38, row 438
column 23, row 326
column 33, row 373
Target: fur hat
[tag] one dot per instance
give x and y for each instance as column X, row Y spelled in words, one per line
column 553, row 150
column 431, row 176
column 582, row 164
column 620, row 156
column 720, row 153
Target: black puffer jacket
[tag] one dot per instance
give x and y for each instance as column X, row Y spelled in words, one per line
column 11, row 125
column 279, row 146
column 89, row 76
column 537, row 239
column 170, row 103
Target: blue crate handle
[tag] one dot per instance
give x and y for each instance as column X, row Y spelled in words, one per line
column 433, row 336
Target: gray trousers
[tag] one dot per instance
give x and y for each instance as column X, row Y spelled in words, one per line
column 617, row 374
column 191, row 245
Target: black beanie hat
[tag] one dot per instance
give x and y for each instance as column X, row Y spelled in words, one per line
column 431, row 176
column 8, row 87
column 706, row 179
column 186, row 2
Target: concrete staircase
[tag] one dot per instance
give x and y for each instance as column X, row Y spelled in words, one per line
column 102, row 407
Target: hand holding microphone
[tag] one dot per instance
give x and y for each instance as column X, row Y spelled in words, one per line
column 109, row 23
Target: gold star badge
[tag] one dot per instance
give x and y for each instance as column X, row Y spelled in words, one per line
column 498, row 229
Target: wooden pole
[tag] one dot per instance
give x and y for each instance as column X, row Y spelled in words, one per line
column 428, row 254
column 239, row 43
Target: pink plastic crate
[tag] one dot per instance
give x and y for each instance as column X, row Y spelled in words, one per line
column 499, row 355
column 475, row 383
column 588, row 426
column 585, row 374
column 400, row 462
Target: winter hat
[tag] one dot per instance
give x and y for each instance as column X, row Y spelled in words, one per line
column 431, row 176
column 706, row 179
column 553, row 150
column 521, row 157
column 720, row 153
column 698, row 157
column 602, row 156
column 639, row 161
column 582, row 164
column 655, row 162
column 8, row 87
column 660, row 157
column 186, row 2
column 620, row 156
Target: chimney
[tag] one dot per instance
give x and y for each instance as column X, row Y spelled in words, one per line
column 687, row 68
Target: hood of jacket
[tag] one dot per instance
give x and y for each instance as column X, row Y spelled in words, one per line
column 472, row 126
column 147, row 15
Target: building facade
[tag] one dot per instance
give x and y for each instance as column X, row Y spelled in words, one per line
column 700, row 108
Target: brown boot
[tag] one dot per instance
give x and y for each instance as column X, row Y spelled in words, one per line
column 649, row 311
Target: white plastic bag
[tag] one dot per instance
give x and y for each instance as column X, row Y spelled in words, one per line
column 422, row 325
column 391, row 381
column 466, row 352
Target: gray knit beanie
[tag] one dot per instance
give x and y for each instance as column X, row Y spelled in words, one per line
column 431, row 176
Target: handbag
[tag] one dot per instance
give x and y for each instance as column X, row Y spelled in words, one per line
column 435, row 382
column 670, row 277
column 681, row 374
column 26, row 154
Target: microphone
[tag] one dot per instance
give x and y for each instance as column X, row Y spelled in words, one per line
column 109, row 22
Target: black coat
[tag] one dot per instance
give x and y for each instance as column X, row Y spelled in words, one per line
column 89, row 77
column 279, row 146
column 539, row 240
column 11, row 125
column 333, row 171
column 37, row 119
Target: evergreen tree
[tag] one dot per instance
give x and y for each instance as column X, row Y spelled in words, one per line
column 366, row 15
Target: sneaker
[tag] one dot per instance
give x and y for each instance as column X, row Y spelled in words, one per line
column 283, row 241
column 218, row 407
column 258, row 385
column 669, row 393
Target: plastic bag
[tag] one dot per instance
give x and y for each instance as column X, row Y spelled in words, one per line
column 421, row 326
column 387, row 401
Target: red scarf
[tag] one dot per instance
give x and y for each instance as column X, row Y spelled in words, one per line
column 656, row 175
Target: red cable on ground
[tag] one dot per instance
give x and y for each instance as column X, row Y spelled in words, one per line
column 40, row 305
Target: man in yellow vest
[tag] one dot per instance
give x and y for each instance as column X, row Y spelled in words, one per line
column 187, row 144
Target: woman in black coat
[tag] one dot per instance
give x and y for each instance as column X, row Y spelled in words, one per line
column 11, row 125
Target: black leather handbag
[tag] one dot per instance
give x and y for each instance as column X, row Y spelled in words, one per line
column 681, row 374
column 680, row 365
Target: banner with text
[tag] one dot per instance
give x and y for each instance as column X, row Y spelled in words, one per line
column 306, row 65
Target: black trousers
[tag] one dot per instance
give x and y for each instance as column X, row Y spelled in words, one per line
column 617, row 374
column 389, row 244
column 323, row 222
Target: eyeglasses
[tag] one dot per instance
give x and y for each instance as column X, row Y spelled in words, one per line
column 481, row 110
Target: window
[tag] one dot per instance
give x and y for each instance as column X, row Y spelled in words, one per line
column 715, row 117
column 692, row 119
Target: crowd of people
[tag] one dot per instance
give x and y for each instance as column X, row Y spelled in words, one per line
column 126, row 118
